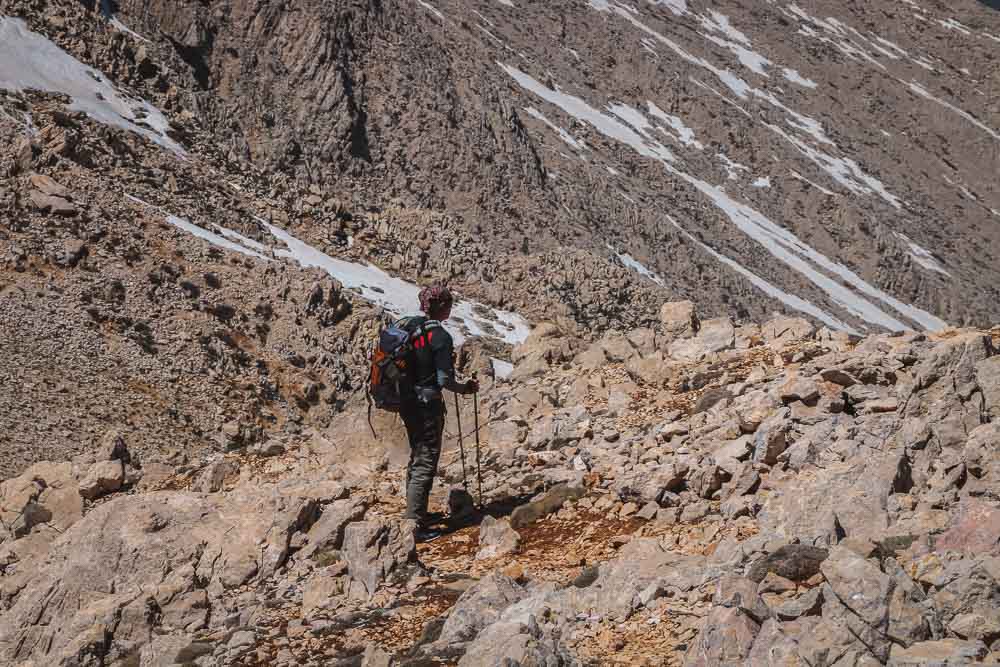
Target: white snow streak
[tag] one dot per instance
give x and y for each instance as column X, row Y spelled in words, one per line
column 781, row 243
column 923, row 92
column 431, row 8
column 563, row 134
column 762, row 182
column 768, row 288
column 637, row 266
column 399, row 296
column 819, row 187
column 922, row 256
column 212, row 237
column 685, row 134
column 30, row 60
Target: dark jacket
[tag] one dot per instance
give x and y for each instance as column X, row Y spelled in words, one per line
column 433, row 359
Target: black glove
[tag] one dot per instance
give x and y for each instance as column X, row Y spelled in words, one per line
column 471, row 387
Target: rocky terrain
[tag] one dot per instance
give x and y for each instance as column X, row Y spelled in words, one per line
column 696, row 493
column 208, row 208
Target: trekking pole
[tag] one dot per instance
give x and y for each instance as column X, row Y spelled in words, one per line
column 461, row 443
column 479, row 469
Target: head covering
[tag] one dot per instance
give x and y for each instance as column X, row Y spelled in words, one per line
column 433, row 299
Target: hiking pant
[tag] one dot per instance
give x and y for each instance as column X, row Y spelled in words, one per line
column 424, row 426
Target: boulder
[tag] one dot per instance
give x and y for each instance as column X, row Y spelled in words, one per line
column 678, row 319
column 496, row 538
column 941, row 653
column 104, row 477
column 783, row 330
column 377, row 552
column 161, row 550
column 726, row 639
column 988, row 378
column 859, row 584
column 327, row 533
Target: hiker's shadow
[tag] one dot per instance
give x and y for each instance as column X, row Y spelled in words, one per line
column 475, row 515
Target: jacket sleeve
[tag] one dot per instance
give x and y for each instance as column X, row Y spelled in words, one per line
column 444, row 361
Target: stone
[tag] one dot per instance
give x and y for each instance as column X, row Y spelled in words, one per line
column 377, row 552
column 775, row 583
column 327, row 533
column 478, row 607
column 49, row 186
column 808, row 604
column 859, row 584
column 49, row 204
column 695, row 511
column 770, row 439
column 104, row 477
column 742, row 594
column 982, row 624
column 941, row 653
column 714, row 336
column 496, row 539
column 678, row 319
column 799, row 389
column 796, row 562
column 988, row 379
column 376, row 657
column 783, row 330
column 974, row 529
column 838, row 377
column 726, row 639
column 549, row 502
column 648, row 511
column 113, row 448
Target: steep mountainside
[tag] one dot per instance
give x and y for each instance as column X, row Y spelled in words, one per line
column 859, row 140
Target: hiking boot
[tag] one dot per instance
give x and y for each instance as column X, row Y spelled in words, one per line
column 426, row 534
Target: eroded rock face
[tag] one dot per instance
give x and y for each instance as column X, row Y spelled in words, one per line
column 174, row 552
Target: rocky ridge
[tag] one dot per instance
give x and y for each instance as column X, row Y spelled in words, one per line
column 694, row 493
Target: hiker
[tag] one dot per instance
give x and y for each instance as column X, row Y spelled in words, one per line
column 422, row 405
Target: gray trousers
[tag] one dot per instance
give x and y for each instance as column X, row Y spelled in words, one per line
column 424, row 427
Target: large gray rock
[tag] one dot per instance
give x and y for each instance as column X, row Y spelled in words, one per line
column 783, row 330
column 173, row 551
column 860, row 585
column 104, row 477
column 941, row 653
column 327, row 534
column 377, row 552
column 496, row 538
column 726, row 639
column 770, row 440
column 678, row 319
column 479, row 607
column 988, row 377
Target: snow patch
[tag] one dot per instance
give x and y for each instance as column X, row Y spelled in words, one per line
column 637, row 266
column 733, row 169
column 685, row 134
column 399, row 296
column 501, row 369
column 30, row 60
column 678, row 7
column 923, row 92
column 781, row 243
column 563, row 134
column 768, row 288
column 431, row 8
column 922, row 256
column 762, row 182
column 212, row 237
column 796, row 78
column 581, row 110
column 952, row 24
column 796, row 175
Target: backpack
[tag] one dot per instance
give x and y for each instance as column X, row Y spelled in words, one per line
column 391, row 364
